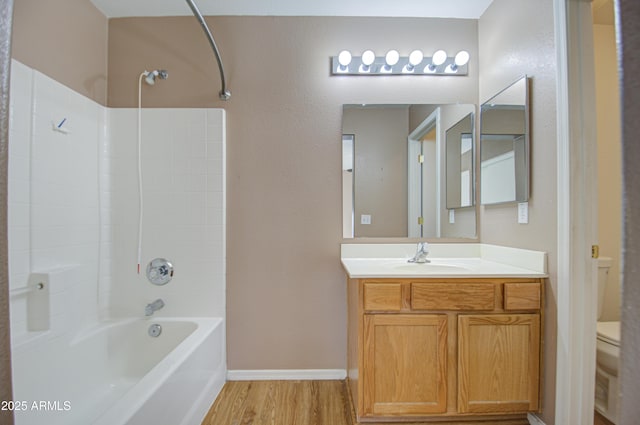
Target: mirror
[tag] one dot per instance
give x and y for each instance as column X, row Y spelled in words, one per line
column 460, row 169
column 394, row 171
column 504, row 146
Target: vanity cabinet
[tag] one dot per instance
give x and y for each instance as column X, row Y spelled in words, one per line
column 445, row 348
column 498, row 363
column 405, row 363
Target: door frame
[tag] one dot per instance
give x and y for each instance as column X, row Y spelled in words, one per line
column 577, row 213
column 414, row 143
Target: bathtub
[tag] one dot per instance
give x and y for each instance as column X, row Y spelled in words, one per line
column 116, row 374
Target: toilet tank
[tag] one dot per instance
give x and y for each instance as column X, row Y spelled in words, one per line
column 604, row 264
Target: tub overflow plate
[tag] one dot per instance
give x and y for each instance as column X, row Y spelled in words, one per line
column 155, row 330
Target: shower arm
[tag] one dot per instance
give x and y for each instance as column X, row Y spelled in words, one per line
column 224, row 94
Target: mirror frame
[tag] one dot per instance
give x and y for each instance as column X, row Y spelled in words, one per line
column 526, row 189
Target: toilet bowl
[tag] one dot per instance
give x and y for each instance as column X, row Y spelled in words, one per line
column 607, row 354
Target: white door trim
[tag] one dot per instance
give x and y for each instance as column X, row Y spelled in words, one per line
column 415, row 142
column 577, row 213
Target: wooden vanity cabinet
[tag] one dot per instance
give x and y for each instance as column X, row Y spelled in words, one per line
column 445, row 348
column 405, row 360
column 498, row 363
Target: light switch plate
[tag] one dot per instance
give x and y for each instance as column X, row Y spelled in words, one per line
column 523, row 213
column 452, row 216
column 365, row 219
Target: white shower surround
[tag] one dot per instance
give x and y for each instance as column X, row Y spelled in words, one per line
column 183, row 186
column 73, row 211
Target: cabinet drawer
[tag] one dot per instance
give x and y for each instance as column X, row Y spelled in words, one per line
column 453, row 296
column 382, row 296
column 522, row 296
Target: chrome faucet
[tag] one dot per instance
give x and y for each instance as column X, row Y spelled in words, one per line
column 153, row 307
column 421, row 254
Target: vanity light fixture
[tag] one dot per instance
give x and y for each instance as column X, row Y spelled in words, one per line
column 392, row 63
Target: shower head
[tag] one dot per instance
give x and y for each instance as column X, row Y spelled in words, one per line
column 150, row 76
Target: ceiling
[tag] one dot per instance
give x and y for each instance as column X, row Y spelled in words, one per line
column 469, row 9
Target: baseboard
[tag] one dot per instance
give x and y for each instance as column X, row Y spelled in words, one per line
column 534, row 419
column 286, row 374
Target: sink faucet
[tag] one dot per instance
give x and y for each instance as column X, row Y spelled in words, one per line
column 154, row 306
column 421, row 253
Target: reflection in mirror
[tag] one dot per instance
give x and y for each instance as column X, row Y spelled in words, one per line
column 347, row 184
column 504, row 146
column 459, row 155
column 397, row 187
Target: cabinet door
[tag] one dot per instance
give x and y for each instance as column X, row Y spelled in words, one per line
column 498, row 363
column 405, row 364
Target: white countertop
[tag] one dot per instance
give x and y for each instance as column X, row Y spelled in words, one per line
column 447, row 261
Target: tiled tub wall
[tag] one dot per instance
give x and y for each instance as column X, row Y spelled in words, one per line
column 54, row 198
column 73, row 205
column 183, row 185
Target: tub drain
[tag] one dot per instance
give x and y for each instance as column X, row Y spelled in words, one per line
column 155, row 330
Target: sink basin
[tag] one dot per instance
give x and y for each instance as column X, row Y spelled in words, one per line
column 428, row 267
column 433, row 267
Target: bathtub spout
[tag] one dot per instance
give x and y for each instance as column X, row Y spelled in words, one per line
column 154, row 306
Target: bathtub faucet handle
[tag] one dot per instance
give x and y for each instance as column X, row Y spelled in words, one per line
column 153, row 307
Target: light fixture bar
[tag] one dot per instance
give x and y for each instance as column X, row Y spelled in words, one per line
column 427, row 66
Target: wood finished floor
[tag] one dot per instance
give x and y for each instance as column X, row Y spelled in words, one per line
column 280, row 403
column 290, row 403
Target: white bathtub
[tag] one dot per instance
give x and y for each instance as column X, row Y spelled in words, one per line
column 117, row 374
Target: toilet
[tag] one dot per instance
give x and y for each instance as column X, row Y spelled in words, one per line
column 607, row 353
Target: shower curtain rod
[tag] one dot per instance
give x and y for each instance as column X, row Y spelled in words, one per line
column 224, row 94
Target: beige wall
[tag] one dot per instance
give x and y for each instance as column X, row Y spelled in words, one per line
column 609, row 162
column 516, row 37
column 66, row 40
column 286, row 290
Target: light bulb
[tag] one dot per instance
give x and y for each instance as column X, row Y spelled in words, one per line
column 439, row 57
column 392, row 57
column 462, row 58
column 344, row 58
column 368, row 57
column 415, row 57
